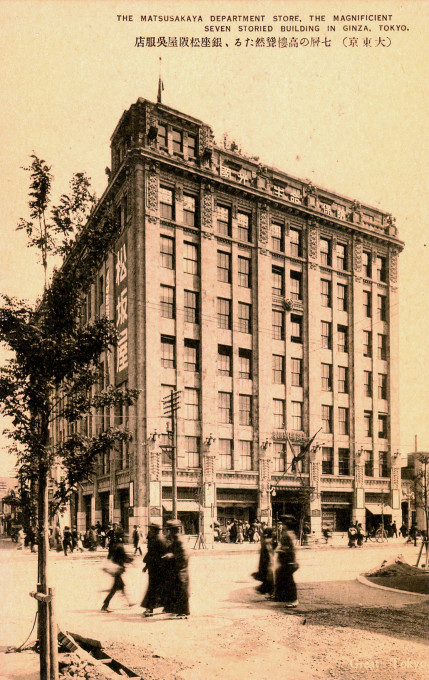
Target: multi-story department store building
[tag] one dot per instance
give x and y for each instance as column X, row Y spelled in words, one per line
column 271, row 305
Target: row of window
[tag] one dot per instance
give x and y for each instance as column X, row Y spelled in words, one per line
column 344, row 462
column 344, row 424
column 342, row 299
column 177, row 141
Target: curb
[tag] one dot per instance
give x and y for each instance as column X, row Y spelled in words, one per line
column 366, row 582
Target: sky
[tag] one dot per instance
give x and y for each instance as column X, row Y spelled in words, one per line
column 352, row 118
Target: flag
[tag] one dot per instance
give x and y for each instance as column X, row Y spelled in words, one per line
column 304, row 451
column 160, row 90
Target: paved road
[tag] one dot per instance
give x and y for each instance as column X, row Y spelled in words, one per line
column 233, row 630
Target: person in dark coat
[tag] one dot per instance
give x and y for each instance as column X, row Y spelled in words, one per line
column 120, row 559
column 110, row 540
column 352, row 536
column 136, row 539
column 360, row 535
column 155, row 566
column 285, row 588
column 233, row 532
column 265, row 571
column 67, row 540
column 177, row 586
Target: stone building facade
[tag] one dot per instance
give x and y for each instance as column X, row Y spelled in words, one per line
column 271, row 306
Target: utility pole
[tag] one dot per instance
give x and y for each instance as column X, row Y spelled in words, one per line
column 171, row 404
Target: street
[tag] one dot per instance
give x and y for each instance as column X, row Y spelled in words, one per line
column 342, row 629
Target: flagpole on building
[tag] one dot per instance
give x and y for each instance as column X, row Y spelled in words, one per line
column 160, row 83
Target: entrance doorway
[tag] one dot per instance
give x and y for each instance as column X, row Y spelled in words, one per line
column 124, row 506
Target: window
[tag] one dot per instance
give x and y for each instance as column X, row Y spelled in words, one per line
column 192, row 403
column 166, row 203
column 343, row 461
column 189, row 210
column 341, row 256
column 190, row 258
column 192, row 146
column 245, row 409
column 296, row 285
column 278, row 276
column 244, row 317
column 167, row 302
column 341, row 297
column 383, row 464
column 382, row 346
column 100, row 291
column 191, row 307
column 279, row 457
column 225, row 454
column 343, row 420
column 326, row 419
column 381, row 307
column 224, row 360
column 277, row 237
column 167, row 252
column 278, row 369
column 192, row 451
column 296, row 328
column 177, row 141
column 381, row 269
column 367, row 344
column 245, row 364
column 325, row 252
column 225, row 407
column 224, row 313
column 325, row 291
column 367, row 383
column 295, row 241
column 162, row 136
column 366, row 264
column 382, row 386
column 326, row 335
column 223, row 220
column 326, row 377
column 367, row 424
column 342, row 339
column 244, row 227
column 327, row 460
column 382, row 426
column 191, row 356
column 369, row 463
column 296, row 372
column 223, row 266
column 297, row 415
column 244, row 275
column 168, row 359
column 279, row 413
column 343, row 383
column 245, row 455
column 367, row 305
column 278, row 325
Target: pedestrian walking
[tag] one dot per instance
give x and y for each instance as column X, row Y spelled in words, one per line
column 352, row 536
column 265, row 572
column 285, row 587
column 177, row 587
column 75, row 537
column 394, row 530
column 137, row 540
column 20, row 538
column 360, row 535
column 155, row 567
column 31, row 538
column 119, row 559
column 240, row 533
column 233, row 531
column 67, row 540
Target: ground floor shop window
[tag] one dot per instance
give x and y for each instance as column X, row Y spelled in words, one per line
column 336, row 519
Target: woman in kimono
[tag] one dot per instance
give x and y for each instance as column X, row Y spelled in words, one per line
column 285, row 588
column 265, row 571
column 177, row 596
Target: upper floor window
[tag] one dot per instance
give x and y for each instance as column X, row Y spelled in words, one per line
column 326, row 335
column 343, row 385
column 367, row 303
column 369, row 463
column 245, row 409
column 343, row 420
column 167, row 302
column 162, row 136
column 245, row 363
column 297, row 407
column 295, row 242
column 244, row 272
column 383, row 464
column 367, row 383
column 225, row 407
column 244, row 317
column 325, row 252
column 224, row 360
column 382, row 346
column 245, row 455
column 366, row 264
column 168, row 359
column 191, row 356
column 341, row 256
column 381, row 269
column 296, row 285
column 326, row 377
column 326, row 418
column 192, row 451
column 166, row 205
column 296, row 372
column 277, row 236
column 279, row 413
column 278, row 325
column 279, row 457
column 192, row 146
column 367, row 424
column 191, row 306
column 278, row 284
column 244, row 227
column 367, row 344
column 177, row 141
column 382, row 426
column 225, row 454
column 167, row 252
column 342, row 339
column 341, row 297
column 382, row 386
column 381, row 307
column 278, row 369
column 343, row 461
column 327, row 460
column 296, row 328
column 223, row 266
column 192, row 403
column 223, row 220
column 189, row 210
column 190, row 260
column 325, row 292
column 224, row 313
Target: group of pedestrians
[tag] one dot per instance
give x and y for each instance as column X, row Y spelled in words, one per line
column 166, row 562
column 277, row 565
column 239, row 531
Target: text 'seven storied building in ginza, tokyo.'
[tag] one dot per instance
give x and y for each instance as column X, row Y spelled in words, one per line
column 271, row 305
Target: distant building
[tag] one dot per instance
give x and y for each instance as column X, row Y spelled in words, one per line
column 9, row 511
column 271, row 305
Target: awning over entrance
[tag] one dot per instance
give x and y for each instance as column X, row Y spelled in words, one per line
column 378, row 509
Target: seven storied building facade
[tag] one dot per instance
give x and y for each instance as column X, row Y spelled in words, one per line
column 271, row 306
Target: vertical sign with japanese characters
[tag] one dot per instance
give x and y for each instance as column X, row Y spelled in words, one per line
column 121, row 310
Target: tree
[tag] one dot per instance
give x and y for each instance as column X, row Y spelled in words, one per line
column 54, row 371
